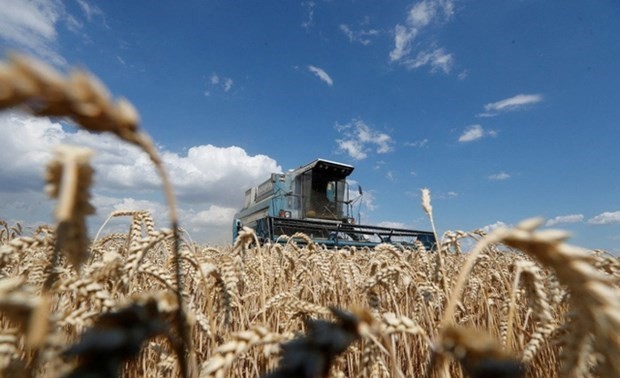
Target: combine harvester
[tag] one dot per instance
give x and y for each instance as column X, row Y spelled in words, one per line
column 314, row 200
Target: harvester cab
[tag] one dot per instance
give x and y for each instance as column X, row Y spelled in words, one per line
column 315, row 200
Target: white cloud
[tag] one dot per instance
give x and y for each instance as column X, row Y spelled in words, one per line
column 402, row 39
column 211, row 223
column 228, row 83
column 359, row 139
column 499, row 176
column 219, row 82
column 213, row 216
column 418, row 143
column 31, row 25
column 361, row 198
column 209, row 181
column 420, row 16
column 445, row 195
column 347, row 31
column 562, row 219
column 309, row 21
column 217, row 174
column 514, row 103
column 106, row 205
column 389, row 224
column 437, row 59
column 353, row 148
column 321, row 74
column 29, row 207
column 475, row 132
column 362, row 204
column 608, row 217
column 494, row 226
column 368, row 200
column 360, row 36
column 30, row 139
column 425, row 12
column 90, row 10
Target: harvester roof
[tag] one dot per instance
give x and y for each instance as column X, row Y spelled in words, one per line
column 336, row 170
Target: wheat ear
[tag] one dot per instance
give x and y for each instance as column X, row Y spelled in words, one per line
column 531, row 277
column 80, row 96
column 225, row 354
column 69, row 176
column 593, row 293
column 428, row 209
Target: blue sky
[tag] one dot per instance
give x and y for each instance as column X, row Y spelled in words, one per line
column 504, row 109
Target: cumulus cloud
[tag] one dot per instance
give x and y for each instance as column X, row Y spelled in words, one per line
column 210, row 173
column 514, row 103
column 214, row 215
column 608, row 217
column 321, row 74
column 564, row 219
column 475, row 132
column 29, row 207
column 359, row 139
column 420, row 16
column 209, row 181
column 106, row 205
column 499, row 176
column 494, row 226
column 353, row 148
column 30, row 139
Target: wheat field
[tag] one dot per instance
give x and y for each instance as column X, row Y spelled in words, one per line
column 150, row 302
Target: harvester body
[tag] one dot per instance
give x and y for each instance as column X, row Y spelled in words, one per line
column 314, row 200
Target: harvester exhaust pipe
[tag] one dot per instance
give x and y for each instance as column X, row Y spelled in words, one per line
column 359, row 207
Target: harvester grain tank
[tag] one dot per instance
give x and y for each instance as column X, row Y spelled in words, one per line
column 314, row 199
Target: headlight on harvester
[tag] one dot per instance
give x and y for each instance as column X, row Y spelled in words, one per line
column 285, row 214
